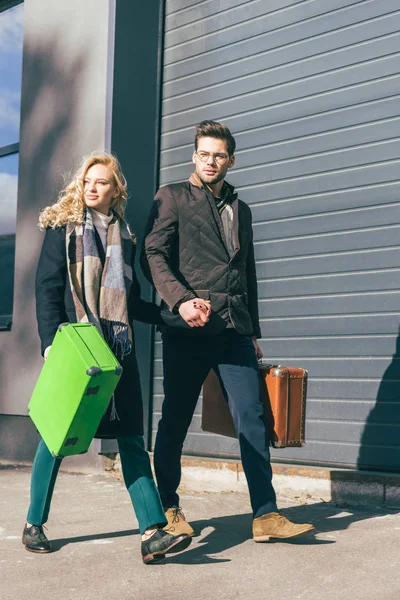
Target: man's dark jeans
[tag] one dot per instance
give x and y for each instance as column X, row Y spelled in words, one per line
column 187, row 360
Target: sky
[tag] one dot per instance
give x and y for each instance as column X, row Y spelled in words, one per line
column 11, row 34
column 8, row 193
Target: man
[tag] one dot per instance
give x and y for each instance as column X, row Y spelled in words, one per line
column 199, row 248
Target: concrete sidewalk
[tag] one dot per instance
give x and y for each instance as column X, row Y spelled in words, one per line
column 354, row 553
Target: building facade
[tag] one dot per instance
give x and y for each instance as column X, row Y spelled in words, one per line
column 310, row 90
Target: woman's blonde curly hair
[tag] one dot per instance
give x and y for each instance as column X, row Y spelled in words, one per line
column 70, row 206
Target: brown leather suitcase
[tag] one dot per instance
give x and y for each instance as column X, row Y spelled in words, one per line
column 284, row 391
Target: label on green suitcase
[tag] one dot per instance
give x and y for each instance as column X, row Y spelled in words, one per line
column 74, row 389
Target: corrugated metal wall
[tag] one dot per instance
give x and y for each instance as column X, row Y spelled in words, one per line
column 311, row 91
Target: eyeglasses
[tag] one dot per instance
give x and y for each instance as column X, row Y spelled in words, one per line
column 217, row 157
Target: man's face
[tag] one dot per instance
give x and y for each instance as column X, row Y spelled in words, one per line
column 212, row 159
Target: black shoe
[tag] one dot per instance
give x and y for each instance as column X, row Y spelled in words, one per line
column 155, row 548
column 35, row 540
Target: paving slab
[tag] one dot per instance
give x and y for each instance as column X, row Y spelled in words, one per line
column 354, row 552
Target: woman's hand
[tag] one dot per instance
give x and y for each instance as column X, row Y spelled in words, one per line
column 195, row 312
column 203, row 305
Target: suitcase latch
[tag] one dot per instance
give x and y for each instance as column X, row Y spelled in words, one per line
column 277, row 372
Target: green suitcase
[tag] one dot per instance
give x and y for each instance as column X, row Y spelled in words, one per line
column 74, row 389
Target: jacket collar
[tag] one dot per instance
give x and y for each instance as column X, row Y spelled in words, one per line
column 195, row 180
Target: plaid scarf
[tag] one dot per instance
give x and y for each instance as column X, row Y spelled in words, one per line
column 100, row 293
column 223, row 201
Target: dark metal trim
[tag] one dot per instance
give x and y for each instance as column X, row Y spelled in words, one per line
column 160, row 81
column 5, row 322
column 10, row 149
column 156, row 179
column 6, row 4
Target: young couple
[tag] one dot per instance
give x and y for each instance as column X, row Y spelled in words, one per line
column 198, row 252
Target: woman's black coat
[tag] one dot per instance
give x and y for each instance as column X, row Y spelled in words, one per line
column 54, row 305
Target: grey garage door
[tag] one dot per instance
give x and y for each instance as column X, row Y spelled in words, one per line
column 311, row 90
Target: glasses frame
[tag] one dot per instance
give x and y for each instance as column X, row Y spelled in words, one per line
column 221, row 157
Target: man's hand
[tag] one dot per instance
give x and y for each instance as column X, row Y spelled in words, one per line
column 259, row 352
column 195, row 312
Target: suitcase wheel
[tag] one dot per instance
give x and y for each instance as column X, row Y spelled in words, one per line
column 62, row 325
column 93, row 371
column 118, row 370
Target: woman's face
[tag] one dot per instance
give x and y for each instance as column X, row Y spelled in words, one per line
column 99, row 188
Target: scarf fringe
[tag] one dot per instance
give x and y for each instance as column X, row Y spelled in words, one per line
column 114, row 415
column 116, row 335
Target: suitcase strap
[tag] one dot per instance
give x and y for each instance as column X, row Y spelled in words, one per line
column 302, row 377
column 285, row 393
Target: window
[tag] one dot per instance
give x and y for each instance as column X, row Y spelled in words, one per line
column 11, row 33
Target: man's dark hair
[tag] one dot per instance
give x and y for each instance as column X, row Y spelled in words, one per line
column 215, row 130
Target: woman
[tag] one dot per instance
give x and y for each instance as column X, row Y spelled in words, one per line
column 86, row 273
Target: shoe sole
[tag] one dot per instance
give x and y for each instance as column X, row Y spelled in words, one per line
column 274, row 538
column 36, row 551
column 171, row 530
column 177, row 546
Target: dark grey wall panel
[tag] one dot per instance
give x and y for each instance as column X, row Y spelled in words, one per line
column 316, row 33
column 327, row 65
column 355, row 367
column 214, row 34
column 254, row 162
column 333, row 325
column 385, row 279
column 338, row 347
column 349, row 220
column 352, row 410
column 231, row 11
column 311, row 91
column 275, row 111
column 332, row 261
column 340, row 82
column 263, row 144
column 339, row 40
column 354, row 304
column 339, row 199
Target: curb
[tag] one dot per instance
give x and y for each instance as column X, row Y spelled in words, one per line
column 344, row 487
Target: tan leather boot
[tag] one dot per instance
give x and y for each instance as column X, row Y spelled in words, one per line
column 177, row 523
column 274, row 526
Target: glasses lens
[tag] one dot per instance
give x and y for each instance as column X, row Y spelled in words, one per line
column 204, row 156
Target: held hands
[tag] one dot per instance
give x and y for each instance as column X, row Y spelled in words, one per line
column 195, row 312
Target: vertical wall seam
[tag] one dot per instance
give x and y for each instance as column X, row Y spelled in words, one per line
column 110, row 74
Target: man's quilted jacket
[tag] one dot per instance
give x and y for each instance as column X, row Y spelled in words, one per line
column 186, row 252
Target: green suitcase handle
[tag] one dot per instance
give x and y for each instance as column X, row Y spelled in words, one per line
column 93, row 371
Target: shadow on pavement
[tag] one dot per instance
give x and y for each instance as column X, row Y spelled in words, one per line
column 233, row 530
column 61, row 542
